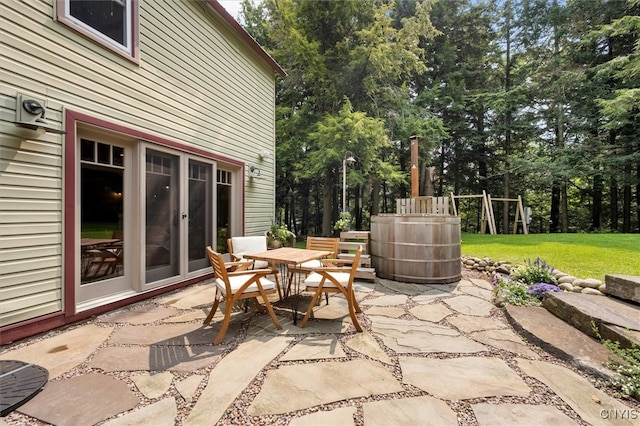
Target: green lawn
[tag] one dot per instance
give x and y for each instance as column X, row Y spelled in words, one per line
column 582, row 255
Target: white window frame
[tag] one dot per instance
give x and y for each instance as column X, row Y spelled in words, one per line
column 131, row 27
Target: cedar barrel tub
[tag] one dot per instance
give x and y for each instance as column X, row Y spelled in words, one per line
column 416, row 247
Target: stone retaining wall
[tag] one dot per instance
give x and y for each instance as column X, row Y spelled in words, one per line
column 564, row 281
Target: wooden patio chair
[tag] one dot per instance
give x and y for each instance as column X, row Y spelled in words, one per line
column 239, row 246
column 238, row 285
column 316, row 243
column 332, row 279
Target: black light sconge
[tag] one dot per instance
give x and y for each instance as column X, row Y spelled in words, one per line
column 30, row 114
column 254, row 172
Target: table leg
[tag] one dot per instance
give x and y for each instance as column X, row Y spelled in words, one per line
column 292, row 279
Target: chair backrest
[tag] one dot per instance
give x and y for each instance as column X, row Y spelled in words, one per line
column 354, row 265
column 217, row 263
column 324, row 243
column 239, row 246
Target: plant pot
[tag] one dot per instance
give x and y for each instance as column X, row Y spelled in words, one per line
column 274, row 244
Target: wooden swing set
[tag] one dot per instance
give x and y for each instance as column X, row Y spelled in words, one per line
column 487, row 216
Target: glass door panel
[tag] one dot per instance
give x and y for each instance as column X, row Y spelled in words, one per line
column 162, row 216
column 200, row 213
column 223, row 209
column 101, row 211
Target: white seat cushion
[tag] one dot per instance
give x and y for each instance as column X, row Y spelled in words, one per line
column 311, row 264
column 235, row 282
column 313, row 280
column 243, row 245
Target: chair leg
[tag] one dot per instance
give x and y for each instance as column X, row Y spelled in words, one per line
column 214, row 307
column 351, row 301
column 275, row 274
column 355, row 303
column 225, row 323
column 272, row 313
column 258, row 305
column 311, row 306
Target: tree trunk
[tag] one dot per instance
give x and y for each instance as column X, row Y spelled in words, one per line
column 554, row 220
column 613, row 203
column 375, row 197
column 596, row 204
column 358, row 207
column 564, row 208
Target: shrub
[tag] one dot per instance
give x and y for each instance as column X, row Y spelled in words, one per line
column 627, row 365
column 535, row 272
column 526, row 285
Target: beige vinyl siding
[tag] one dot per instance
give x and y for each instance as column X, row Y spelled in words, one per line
column 30, row 225
column 197, row 84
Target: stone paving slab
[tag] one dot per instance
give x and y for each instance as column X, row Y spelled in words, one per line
column 470, row 305
column 153, row 386
column 314, row 348
column 232, row 374
column 161, row 413
column 339, row 416
column 414, row 336
column 141, row 315
column 389, row 300
column 81, row 400
column 504, row 339
column 421, row 410
column 366, row 344
column 433, row 312
column 520, row 415
column 387, row 311
column 63, row 351
column 295, row 387
column 430, row 296
column 577, row 392
column 155, row 358
column 477, row 292
column 469, row 324
column 190, row 297
column 171, row 334
column 463, row 378
column 188, row 387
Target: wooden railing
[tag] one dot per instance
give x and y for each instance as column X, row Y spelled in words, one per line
column 428, row 205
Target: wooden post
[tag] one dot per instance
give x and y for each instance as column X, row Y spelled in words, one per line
column 415, row 185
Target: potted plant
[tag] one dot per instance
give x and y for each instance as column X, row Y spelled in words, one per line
column 277, row 235
column 344, row 223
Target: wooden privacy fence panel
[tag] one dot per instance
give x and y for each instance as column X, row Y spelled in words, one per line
column 427, row 205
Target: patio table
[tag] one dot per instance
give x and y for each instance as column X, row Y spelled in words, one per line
column 287, row 259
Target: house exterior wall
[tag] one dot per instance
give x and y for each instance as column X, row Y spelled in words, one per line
column 196, row 83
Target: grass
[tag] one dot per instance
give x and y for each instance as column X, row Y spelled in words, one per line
column 581, row 255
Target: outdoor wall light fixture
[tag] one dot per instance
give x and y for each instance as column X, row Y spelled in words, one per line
column 265, row 153
column 30, row 114
column 254, row 172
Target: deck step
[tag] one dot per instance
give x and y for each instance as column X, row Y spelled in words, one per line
column 366, row 274
column 365, row 259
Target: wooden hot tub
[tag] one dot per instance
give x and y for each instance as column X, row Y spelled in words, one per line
column 416, row 248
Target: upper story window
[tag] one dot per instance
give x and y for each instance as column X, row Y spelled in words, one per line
column 113, row 23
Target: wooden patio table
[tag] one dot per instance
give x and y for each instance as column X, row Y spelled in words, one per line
column 287, row 258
